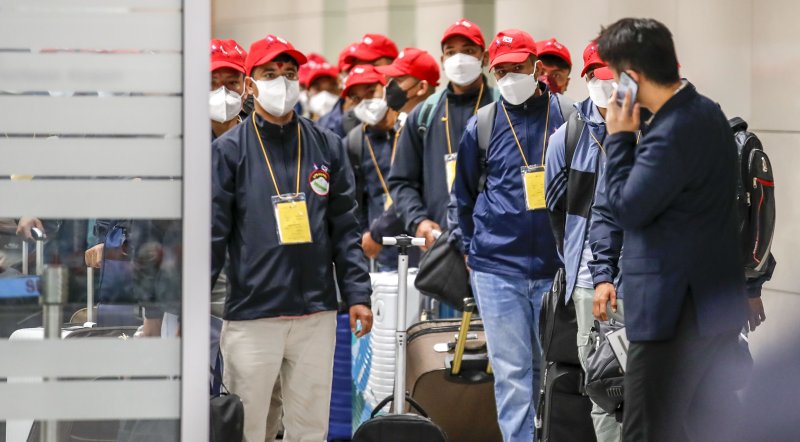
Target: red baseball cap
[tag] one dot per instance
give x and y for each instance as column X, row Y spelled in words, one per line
column 316, row 67
column 466, row 29
column 227, row 54
column 265, row 50
column 591, row 59
column 343, row 64
column 511, row 46
column 415, row 62
column 372, row 47
column 363, row 74
column 553, row 47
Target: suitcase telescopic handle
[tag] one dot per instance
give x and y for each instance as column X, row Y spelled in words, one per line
column 461, row 342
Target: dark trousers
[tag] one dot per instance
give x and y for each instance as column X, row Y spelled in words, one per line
column 684, row 388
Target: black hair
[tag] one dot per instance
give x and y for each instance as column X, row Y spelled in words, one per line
column 556, row 61
column 286, row 58
column 642, row 44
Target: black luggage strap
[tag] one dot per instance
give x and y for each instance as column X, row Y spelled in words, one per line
column 414, row 404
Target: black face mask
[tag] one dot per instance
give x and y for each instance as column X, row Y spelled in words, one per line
column 396, row 97
column 248, row 106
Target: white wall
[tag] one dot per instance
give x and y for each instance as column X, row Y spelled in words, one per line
column 743, row 53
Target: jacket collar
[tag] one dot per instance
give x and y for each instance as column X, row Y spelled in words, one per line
column 467, row 97
column 268, row 129
column 686, row 93
column 588, row 113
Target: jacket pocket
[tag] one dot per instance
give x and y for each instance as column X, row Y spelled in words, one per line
column 641, row 265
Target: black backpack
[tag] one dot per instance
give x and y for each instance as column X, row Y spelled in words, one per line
column 755, row 197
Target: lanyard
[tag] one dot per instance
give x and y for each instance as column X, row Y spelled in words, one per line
column 447, row 117
column 269, row 165
column 375, row 160
column 597, row 141
column 394, row 144
column 544, row 138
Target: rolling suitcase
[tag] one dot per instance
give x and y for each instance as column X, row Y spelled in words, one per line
column 448, row 365
column 400, row 426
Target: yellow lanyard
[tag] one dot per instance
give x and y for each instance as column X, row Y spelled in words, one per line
column 394, row 145
column 269, row 165
column 375, row 160
column 598, row 142
column 447, row 117
column 544, row 139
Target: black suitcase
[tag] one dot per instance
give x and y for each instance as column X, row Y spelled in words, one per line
column 564, row 413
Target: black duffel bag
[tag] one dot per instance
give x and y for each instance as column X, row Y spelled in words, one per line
column 558, row 324
column 443, row 273
column 227, row 415
column 604, row 377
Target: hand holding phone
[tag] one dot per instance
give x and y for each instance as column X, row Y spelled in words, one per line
column 626, row 83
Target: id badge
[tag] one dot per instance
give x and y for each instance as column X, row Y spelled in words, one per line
column 291, row 217
column 450, row 169
column 387, row 201
column 533, row 182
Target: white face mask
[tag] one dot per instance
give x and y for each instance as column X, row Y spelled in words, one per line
column 516, row 88
column 224, row 104
column 600, row 91
column 322, row 103
column 371, row 111
column 277, row 96
column 462, row 69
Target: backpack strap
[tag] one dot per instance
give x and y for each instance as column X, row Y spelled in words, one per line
column 485, row 125
column 574, row 128
column 425, row 115
column 567, row 106
column 355, row 152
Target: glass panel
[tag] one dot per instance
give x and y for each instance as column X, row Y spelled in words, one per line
column 92, row 140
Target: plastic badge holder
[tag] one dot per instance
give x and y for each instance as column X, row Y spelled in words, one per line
column 533, row 183
column 291, row 219
column 450, row 169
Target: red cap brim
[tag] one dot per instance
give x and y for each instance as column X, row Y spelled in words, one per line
column 297, row 55
column 591, row 66
column 604, row 73
column 319, row 74
column 391, row 71
column 510, row 57
column 465, row 35
column 226, row 64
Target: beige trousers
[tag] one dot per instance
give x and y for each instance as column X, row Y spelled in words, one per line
column 300, row 350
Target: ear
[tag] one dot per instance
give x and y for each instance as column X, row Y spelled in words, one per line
column 637, row 77
column 566, row 85
column 485, row 59
column 441, row 60
column 250, row 87
column 424, row 86
column 537, row 68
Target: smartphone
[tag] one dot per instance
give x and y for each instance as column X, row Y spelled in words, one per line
column 626, row 83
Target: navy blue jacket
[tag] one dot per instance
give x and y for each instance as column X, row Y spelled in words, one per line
column 371, row 203
column 268, row 279
column 674, row 195
column 499, row 234
column 417, row 181
column 605, row 239
column 338, row 121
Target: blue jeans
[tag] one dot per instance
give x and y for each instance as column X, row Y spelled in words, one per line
column 510, row 309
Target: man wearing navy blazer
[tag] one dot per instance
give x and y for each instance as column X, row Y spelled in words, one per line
column 673, row 193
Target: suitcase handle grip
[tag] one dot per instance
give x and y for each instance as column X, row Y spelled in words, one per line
column 414, row 404
column 461, row 342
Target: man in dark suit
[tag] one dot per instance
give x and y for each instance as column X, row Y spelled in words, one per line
column 673, row 193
